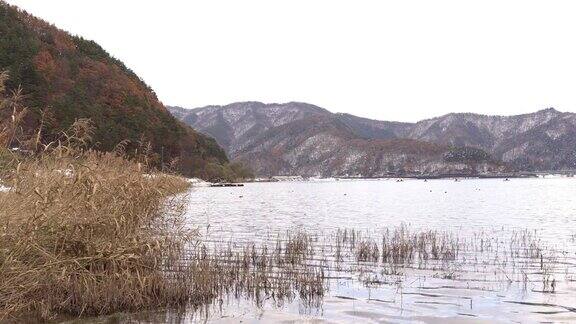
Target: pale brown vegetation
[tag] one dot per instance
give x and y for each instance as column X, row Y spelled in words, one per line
column 86, row 234
column 81, row 231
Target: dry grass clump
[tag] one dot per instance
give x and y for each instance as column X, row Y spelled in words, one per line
column 398, row 246
column 81, row 231
column 367, row 251
column 297, row 249
column 259, row 273
column 85, row 232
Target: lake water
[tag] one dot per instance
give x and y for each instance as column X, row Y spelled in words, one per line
column 547, row 205
column 492, row 284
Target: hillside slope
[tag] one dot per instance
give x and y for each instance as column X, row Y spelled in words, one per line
column 544, row 140
column 236, row 125
column 298, row 138
column 70, row 78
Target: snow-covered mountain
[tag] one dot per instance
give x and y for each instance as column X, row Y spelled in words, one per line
column 299, row 138
column 544, row 140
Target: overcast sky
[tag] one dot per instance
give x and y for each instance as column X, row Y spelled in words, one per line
column 393, row 60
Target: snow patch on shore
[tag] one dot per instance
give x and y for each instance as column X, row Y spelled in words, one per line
column 196, row 182
column 3, row 189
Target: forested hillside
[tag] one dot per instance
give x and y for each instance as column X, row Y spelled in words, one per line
column 66, row 77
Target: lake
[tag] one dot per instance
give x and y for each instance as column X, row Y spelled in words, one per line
column 386, row 251
column 493, row 222
column 546, row 205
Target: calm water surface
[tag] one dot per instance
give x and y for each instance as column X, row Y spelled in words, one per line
column 484, row 290
column 546, row 205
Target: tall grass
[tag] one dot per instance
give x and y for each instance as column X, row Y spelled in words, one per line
column 83, row 232
column 86, row 235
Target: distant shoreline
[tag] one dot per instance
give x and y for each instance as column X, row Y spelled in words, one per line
column 515, row 175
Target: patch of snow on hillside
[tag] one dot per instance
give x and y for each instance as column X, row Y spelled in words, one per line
column 313, row 148
column 233, row 116
column 242, row 128
column 514, row 153
column 555, row 133
column 352, row 158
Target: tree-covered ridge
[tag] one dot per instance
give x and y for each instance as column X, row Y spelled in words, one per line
column 466, row 154
column 66, row 77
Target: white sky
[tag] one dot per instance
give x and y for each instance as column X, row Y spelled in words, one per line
column 392, row 60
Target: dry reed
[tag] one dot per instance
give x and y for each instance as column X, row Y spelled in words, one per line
column 87, row 234
column 82, row 232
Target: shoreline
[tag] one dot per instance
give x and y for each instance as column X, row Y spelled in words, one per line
column 519, row 175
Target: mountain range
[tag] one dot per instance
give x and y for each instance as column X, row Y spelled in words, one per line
column 302, row 139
